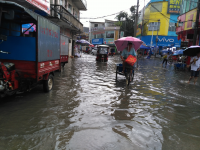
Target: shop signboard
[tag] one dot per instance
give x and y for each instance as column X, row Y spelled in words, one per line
column 174, row 6
column 109, row 41
column 97, row 41
column 42, row 4
column 168, row 41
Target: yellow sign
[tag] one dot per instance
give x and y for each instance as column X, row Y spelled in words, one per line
column 190, row 18
column 116, row 35
column 138, row 32
column 174, row 6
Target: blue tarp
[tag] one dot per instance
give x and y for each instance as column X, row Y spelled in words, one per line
column 144, row 47
column 178, row 52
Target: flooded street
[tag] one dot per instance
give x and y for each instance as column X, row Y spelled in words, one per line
column 89, row 110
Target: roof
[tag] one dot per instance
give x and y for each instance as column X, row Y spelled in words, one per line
column 102, row 46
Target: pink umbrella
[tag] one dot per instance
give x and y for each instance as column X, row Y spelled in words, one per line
column 122, row 43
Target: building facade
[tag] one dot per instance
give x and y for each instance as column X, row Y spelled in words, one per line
column 103, row 33
column 157, row 23
column 186, row 23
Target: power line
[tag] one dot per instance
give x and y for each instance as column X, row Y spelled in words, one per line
column 106, row 15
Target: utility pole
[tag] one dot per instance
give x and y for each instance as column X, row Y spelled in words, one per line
column 196, row 24
column 136, row 21
column 136, row 18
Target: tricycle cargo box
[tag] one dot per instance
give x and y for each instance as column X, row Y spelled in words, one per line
column 64, row 45
column 48, row 40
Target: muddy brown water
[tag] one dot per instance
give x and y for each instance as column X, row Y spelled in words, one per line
column 89, row 110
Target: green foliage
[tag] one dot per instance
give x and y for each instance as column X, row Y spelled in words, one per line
column 126, row 22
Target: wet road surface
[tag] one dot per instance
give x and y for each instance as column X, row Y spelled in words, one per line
column 89, row 110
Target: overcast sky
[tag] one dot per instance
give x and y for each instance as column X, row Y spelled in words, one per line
column 98, row 8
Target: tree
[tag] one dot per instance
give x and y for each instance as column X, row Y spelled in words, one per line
column 126, row 22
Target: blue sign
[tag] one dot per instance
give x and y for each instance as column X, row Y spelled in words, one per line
column 97, row 41
column 168, row 41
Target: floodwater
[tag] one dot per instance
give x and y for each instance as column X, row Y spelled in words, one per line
column 89, row 110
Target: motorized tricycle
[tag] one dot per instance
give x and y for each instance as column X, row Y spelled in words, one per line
column 102, row 53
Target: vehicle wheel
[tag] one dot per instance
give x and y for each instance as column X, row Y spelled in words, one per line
column 128, row 79
column 48, row 84
column 133, row 76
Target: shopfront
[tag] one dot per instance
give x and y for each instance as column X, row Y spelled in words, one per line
column 163, row 41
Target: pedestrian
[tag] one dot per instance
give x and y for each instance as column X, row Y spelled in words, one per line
column 195, row 67
column 166, row 56
column 125, row 53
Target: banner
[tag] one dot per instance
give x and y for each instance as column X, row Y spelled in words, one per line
column 42, row 4
column 174, row 6
column 109, row 41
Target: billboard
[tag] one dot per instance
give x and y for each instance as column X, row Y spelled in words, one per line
column 167, row 41
column 41, row 4
column 174, row 6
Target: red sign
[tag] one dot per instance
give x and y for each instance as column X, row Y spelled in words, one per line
column 41, row 4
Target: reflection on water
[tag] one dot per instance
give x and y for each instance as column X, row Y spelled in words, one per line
column 88, row 109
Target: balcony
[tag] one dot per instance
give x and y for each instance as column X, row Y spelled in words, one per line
column 81, row 4
column 64, row 18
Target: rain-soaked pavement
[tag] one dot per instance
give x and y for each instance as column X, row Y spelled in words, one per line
column 89, row 110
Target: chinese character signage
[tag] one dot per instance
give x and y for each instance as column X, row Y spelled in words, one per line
column 42, row 4
column 174, row 6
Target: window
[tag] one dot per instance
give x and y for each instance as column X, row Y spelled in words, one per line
column 154, row 26
column 70, row 8
column 193, row 4
column 157, row 7
column 172, row 26
column 61, row 2
column 187, row 6
column 95, row 25
column 65, row 3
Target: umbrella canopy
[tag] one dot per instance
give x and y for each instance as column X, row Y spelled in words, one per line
column 83, row 42
column 122, row 43
column 192, row 51
column 166, row 51
column 178, row 52
column 144, row 47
